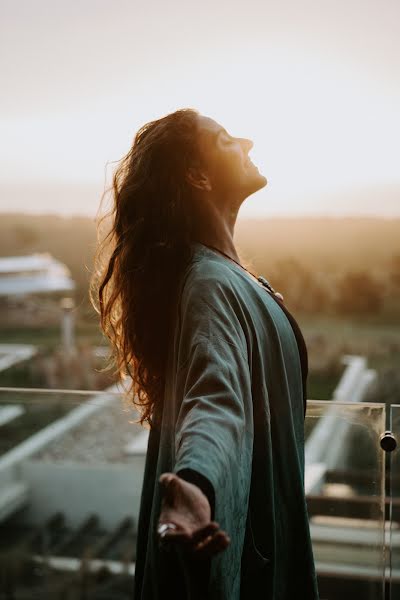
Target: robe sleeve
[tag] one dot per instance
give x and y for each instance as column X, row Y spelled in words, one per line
column 214, row 425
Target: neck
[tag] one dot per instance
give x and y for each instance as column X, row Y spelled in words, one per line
column 216, row 225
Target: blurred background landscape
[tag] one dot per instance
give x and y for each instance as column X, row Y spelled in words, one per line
column 316, row 87
column 340, row 276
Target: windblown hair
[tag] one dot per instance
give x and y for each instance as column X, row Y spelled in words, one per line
column 140, row 262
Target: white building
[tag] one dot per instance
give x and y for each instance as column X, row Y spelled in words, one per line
column 33, row 274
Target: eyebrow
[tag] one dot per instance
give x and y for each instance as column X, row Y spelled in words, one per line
column 214, row 136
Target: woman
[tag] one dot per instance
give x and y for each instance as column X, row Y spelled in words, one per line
column 218, row 368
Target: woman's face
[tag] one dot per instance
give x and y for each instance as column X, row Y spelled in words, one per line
column 226, row 161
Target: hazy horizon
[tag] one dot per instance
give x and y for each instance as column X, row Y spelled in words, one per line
column 83, row 199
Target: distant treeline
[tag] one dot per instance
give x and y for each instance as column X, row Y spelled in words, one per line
column 340, row 265
column 327, row 265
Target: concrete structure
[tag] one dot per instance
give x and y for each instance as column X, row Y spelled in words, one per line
column 12, row 354
column 328, row 442
column 68, row 326
column 8, row 412
column 33, row 274
column 77, row 464
column 92, row 461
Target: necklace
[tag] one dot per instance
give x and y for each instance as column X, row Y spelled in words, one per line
column 260, row 278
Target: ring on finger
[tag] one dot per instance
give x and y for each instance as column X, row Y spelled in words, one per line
column 164, row 527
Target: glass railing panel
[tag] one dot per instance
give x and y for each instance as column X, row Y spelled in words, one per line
column 71, row 469
column 344, row 483
column 393, row 541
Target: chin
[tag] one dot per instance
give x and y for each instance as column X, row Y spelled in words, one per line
column 264, row 180
column 256, row 185
column 258, row 182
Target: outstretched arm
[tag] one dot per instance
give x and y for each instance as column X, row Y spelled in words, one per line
column 213, row 445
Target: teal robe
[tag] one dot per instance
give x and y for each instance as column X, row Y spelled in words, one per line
column 233, row 411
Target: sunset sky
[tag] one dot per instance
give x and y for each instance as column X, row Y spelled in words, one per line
column 314, row 83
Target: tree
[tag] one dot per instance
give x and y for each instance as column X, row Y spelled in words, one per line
column 300, row 286
column 358, row 293
column 394, row 273
column 25, row 237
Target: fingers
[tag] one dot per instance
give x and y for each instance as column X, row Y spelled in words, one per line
column 174, row 538
column 185, row 536
column 204, row 542
column 213, row 544
column 202, row 533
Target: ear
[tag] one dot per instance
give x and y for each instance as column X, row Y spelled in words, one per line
column 198, row 179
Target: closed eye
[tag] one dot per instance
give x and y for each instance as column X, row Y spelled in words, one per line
column 230, row 138
column 226, row 137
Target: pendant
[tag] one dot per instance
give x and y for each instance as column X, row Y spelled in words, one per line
column 266, row 284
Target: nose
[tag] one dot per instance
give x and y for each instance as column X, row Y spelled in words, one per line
column 248, row 144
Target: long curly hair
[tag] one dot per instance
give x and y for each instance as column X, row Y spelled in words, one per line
column 140, row 262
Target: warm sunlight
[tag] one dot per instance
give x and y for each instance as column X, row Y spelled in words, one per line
column 199, row 334
column 322, row 109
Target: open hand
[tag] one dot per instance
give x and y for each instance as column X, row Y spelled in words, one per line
column 184, row 506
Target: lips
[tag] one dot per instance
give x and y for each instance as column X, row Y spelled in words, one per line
column 249, row 162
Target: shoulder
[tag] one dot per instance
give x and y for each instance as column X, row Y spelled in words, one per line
column 209, row 278
column 211, row 305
